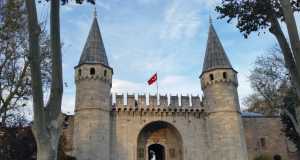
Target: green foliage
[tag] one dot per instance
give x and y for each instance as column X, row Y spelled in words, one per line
column 17, row 143
column 263, row 157
column 253, row 15
column 267, row 78
column 76, row 1
column 273, row 91
column 290, row 102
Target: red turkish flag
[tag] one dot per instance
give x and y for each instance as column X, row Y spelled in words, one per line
column 152, row 79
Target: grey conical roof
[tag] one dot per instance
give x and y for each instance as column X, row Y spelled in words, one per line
column 215, row 56
column 94, row 51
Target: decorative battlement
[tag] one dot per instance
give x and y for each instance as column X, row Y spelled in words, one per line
column 153, row 101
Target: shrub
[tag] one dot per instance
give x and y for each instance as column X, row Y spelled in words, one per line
column 263, row 157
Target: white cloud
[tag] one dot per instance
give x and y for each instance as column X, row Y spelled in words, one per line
column 68, row 104
column 183, row 19
column 244, row 88
column 121, row 86
column 147, row 2
column 171, row 84
column 166, row 63
column 179, row 84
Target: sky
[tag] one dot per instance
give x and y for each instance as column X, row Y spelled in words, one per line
column 142, row 37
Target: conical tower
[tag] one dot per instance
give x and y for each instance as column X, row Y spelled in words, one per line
column 219, row 84
column 93, row 78
column 215, row 56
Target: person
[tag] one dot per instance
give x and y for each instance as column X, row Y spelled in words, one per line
column 152, row 155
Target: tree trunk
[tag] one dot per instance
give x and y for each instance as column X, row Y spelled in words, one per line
column 45, row 151
column 289, row 62
column 47, row 126
column 293, row 120
column 294, row 42
column 292, row 31
column 48, row 142
column 287, row 53
column 55, row 99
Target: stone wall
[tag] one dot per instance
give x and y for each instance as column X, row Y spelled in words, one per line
column 264, row 136
column 68, row 134
column 127, row 125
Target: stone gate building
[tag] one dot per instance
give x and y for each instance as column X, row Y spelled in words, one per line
column 136, row 127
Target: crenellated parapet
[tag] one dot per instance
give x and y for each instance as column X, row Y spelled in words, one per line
column 154, row 102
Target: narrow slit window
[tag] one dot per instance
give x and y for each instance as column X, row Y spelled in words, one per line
column 224, row 75
column 79, row 72
column 92, row 71
column 105, row 73
column 211, row 77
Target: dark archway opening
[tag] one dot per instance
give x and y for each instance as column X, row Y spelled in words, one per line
column 161, row 137
column 157, row 151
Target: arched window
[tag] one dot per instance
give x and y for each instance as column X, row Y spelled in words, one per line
column 105, row 73
column 92, row 71
column 79, row 72
column 224, row 75
column 211, row 77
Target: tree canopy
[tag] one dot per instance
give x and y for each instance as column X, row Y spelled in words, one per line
column 273, row 92
column 253, row 15
column 76, row 1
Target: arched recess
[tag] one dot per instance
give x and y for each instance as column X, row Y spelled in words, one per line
column 165, row 135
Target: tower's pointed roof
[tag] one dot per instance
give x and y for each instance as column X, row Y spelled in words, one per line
column 215, row 56
column 94, row 51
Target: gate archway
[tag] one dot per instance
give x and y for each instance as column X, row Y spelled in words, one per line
column 160, row 139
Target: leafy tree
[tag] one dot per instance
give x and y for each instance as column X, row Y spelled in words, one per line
column 263, row 157
column 15, row 90
column 289, row 102
column 267, row 77
column 48, row 120
column 259, row 15
column 273, row 92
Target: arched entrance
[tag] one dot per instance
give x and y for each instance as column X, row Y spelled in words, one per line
column 160, row 139
column 156, row 151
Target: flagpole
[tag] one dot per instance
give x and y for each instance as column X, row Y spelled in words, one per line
column 157, row 96
column 157, row 84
